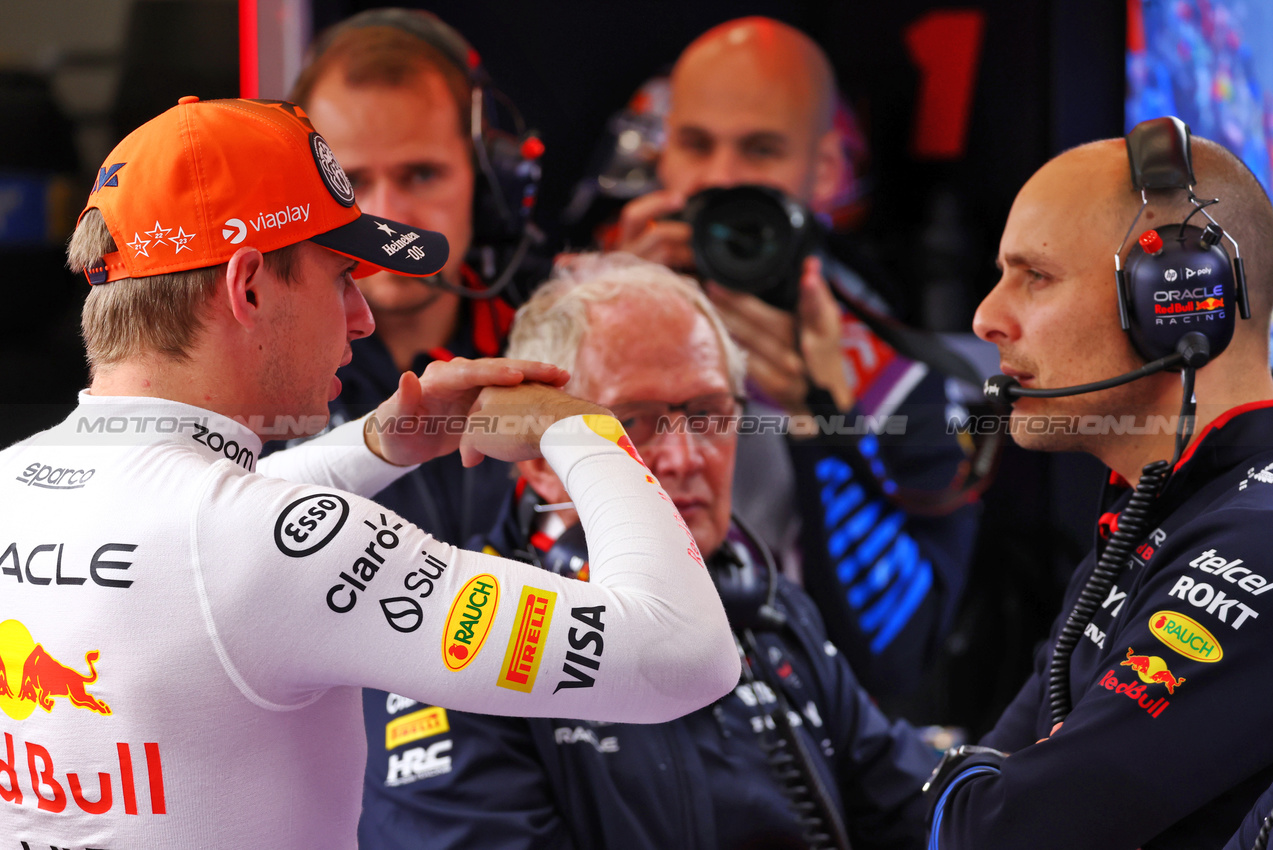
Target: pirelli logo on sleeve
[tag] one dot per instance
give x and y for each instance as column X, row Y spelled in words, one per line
column 526, row 644
column 424, row 723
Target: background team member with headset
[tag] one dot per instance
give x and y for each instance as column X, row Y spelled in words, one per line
column 392, row 92
column 227, row 619
column 1163, row 742
column 448, row 779
column 752, row 103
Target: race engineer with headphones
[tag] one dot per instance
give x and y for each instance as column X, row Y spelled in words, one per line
column 409, row 112
column 797, row 732
column 194, row 630
column 1150, row 728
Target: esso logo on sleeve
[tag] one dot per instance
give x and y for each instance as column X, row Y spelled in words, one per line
column 309, row 524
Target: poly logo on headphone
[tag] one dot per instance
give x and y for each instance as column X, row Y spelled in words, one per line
column 333, row 175
column 1169, row 275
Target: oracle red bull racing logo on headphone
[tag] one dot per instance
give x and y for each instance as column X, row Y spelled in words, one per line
column 1189, row 305
column 30, row 676
column 469, row 621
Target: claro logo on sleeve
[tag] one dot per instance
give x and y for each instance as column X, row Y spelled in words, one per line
column 469, row 621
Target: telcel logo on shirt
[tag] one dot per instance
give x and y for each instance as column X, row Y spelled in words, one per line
column 1186, row 636
column 469, row 621
column 526, row 644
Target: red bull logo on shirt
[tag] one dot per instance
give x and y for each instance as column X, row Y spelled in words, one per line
column 469, row 621
column 119, row 779
column 30, row 676
column 609, row 427
column 1152, row 670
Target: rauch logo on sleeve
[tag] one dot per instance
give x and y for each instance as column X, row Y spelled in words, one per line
column 469, row 621
column 1185, row 636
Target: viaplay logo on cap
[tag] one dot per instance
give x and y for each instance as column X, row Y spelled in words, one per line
column 234, row 231
column 333, row 175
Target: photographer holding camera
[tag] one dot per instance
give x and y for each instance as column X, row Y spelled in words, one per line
column 751, row 155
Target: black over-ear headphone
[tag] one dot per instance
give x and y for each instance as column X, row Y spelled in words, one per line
column 1177, row 294
column 1178, row 277
column 506, row 157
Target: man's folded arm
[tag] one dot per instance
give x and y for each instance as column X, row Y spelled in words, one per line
column 307, row 588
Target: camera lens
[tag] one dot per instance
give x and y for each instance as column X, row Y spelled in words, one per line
column 750, row 238
column 745, row 239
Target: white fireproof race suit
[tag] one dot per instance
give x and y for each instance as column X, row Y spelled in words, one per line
column 183, row 636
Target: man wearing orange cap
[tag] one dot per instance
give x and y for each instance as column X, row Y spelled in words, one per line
column 193, row 626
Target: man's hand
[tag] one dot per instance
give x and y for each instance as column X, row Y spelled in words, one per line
column 821, row 332
column 644, row 232
column 1055, row 729
column 507, row 421
column 779, row 368
column 411, row 425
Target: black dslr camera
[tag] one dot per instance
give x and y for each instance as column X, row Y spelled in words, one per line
column 753, row 239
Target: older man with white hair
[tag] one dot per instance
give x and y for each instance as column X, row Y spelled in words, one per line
column 797, row 751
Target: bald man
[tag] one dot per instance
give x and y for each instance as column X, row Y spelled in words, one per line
column 1166, row 745
column 752, row 103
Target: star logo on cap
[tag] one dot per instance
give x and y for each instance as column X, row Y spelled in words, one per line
column 139, row 246
column 181, row 239
column 387, row 229
column 159, row 233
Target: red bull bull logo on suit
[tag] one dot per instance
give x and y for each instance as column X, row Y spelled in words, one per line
column 31, row 676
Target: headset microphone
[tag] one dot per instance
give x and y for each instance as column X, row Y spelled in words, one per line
column 1178, row 290
column 1193, row 350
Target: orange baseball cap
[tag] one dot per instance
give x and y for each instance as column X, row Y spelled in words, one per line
column 187, row 189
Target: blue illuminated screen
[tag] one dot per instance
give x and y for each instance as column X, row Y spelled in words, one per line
column 1209, row 62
